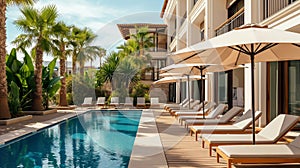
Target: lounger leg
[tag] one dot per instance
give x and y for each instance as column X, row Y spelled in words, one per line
column 218, row 158
column 203, row 142
column 228, row 163
column 210, row 150
column 191, row 132
column 196, row 136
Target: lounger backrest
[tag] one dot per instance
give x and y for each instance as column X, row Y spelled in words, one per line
column 195, row 103
column 128, row 100
column 87, row 100
column 217, row 111
column 188, row 102
column 296, row 142
column 101, row 100
column 278, row 127
column 209, row 105
column 230, row 114
column 141, row 101
column 184, row 101
column 246, row 119
column 114, row 100
column 154, row 100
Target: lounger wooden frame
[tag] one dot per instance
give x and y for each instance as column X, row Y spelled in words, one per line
column 211, row 145
column 196, row 132
column 260, row 159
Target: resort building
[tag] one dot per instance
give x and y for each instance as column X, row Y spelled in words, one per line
column 277, row 83
column 158, row 53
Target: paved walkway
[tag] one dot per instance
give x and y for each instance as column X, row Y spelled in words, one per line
column 181, row 150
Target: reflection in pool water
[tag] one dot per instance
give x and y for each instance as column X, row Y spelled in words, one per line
column 94, row 139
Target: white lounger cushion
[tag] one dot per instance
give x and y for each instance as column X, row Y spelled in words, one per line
column 241, row 124
column 212, row 115
column 224, row 119
column 277, row 128
column 291, row 150
column 264, row 151
column 234, row 138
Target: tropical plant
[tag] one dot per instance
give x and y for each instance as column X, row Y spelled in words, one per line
column 37, row 25
column 144, row 40
column 61, row 41
column 4, row 114
column 14, row 99
column 82, row 50
column 107, row 70
column 22, row 74
column 51, row 83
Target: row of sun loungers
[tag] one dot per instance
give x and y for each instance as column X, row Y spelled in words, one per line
column 232, row 129
column 88, row 101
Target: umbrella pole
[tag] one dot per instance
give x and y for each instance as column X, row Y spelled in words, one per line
column 253, row 97
column 188, row 85
column 202, row 90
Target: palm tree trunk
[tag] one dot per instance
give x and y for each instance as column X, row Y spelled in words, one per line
column 37, row 103
column 81, row 64
column 74, row 64
column 4, row 113
column 63, row 91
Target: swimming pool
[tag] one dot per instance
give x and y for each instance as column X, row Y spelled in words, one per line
column 93, row 139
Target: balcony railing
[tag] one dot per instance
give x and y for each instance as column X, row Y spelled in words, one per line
column 173, row 36
column 233, row 22
column 183, row 19
column 202, row 34
column 271, row 7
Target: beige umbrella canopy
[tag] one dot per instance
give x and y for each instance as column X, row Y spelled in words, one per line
column 171, row 79
column 247, row 44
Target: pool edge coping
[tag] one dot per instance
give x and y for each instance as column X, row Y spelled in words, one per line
column 147, row 137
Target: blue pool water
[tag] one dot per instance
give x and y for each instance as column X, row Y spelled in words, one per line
column 93, row 139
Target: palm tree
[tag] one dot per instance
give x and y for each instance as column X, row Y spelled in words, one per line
column 144, row 40
column 61, row 41
column 107, row 70
column 37, row 25
column 3, row 83
column 81, row 49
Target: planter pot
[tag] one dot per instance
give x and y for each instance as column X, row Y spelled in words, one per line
column 15, row 120
column 40, row 112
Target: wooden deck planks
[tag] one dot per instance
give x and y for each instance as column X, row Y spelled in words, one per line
column 180, row 148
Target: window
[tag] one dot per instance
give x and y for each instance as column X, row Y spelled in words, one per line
column 235, row 7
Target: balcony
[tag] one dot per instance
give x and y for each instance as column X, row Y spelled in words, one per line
column 270, row 7
column 235, row 21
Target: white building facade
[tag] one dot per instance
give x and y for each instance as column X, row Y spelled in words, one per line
column 277, row 83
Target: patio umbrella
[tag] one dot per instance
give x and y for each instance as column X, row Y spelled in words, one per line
column 195, row 69
column 188, row 69
column 247, row 44
column 170, row 79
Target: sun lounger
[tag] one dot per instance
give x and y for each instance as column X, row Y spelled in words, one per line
column 100, row 101
column 154, row 102
column 166, row 106
column 260, row 154
column 195, row 106
column 88, row 101
column 114, row 101
column 212, row 115
column 189, row 106
column 238, row 127
column 272, row 133
column 183, row 104
column 128, row 102
column 140, row 102
column 212, row 120
column 207, row 108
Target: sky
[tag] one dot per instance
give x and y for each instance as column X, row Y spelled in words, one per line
column 99, row 15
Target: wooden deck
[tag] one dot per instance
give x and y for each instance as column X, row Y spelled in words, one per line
column 181, row 150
